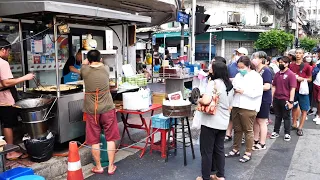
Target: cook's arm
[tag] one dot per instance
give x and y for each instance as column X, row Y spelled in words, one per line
column 73, row 69
column 13, row 82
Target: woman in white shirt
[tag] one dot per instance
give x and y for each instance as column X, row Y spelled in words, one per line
column 248, row 86
column 213, row 127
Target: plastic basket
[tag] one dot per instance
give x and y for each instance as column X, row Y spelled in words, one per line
column 161, row 122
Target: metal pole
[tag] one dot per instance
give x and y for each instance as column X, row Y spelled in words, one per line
column 164, row 47
column 297, row 21
column 182, row 31
column 193, row 39
column 55, row 36
column 210, row 43
column 24, row 87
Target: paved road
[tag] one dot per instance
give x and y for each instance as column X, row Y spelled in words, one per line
column 297, row 159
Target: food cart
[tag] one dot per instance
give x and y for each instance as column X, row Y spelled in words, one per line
column 36, row 21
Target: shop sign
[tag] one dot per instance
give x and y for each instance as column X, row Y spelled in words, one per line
column 182, row 17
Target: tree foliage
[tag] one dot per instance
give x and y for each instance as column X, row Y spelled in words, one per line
column 308, row 43
column 275, row 38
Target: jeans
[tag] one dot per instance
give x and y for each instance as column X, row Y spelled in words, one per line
column 212, row 151
column 281, row 113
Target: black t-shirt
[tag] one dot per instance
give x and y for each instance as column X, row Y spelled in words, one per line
column 70, row 62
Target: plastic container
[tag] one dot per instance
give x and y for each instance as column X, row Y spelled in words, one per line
column 30, row 177
column 15, row 173
column 161, row 122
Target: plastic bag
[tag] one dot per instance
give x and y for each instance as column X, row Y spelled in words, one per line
column 40, row 150
column 196, row 122
column 304, row 88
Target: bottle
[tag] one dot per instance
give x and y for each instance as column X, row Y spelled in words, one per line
column 294, row 104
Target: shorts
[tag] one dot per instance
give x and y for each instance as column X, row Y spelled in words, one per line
column 316, row 92
column 107, row 121
column 8, row 116
column 264, row 111
column 303, row 101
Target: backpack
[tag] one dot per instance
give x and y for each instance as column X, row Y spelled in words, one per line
column 315, row 71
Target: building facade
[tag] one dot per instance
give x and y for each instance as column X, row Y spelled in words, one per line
column 312, row 8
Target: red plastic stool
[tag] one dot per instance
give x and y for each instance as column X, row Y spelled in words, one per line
column 162, row 144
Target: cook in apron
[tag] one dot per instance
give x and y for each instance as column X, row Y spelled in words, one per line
column 71, row 76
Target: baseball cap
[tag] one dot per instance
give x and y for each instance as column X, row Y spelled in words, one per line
column 292, row 52
column 243, row 50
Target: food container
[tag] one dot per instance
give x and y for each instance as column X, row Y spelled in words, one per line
column 176, row 111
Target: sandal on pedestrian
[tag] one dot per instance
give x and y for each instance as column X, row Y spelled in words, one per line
column 245, row 158
column 227, row 138
column 232, row 153
column 114, row 170
column 299, row 132
column 293, row 128
column 97, row 171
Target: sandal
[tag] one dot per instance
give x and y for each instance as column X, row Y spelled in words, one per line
column 294, row 128
column 96, row 171
column 245, row 158
column 227, row 138
column 22, row 156
column 299, row 132
column 233, row 153
column 114, row 170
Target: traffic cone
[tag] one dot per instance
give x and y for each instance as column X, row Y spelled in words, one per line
column 74, row 164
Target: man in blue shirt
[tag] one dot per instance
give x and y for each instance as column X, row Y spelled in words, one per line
column 232, row 67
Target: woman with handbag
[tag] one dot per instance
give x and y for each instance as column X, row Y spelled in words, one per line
column 248, row 85
column 215, row 107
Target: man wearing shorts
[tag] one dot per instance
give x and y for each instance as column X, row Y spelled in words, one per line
column 303, row 72
column 8, row 114
column 99, row 109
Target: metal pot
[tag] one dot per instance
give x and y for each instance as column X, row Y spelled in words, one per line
column 37, row 130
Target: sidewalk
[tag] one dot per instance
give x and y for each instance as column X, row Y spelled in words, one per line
column 297, row 159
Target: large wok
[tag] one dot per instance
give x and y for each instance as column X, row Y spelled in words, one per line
column 64, row 88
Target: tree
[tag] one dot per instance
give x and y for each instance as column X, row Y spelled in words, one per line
column 308, row 43
column 274, row 39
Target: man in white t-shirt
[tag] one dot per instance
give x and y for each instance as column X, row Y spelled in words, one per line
column 8, row 114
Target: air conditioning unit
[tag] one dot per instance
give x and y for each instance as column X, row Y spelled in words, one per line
column 234, row 18
column 266, row 20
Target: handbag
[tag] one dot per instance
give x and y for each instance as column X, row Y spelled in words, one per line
column 212, row 107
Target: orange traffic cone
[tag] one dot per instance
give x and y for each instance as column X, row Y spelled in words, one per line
column 74, row 164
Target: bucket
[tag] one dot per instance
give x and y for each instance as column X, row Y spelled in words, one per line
column 176, row 111
column 34, row 113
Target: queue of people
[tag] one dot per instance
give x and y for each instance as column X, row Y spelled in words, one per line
column 245, row 107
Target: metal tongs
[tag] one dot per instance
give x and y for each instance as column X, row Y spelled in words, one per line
column 37, row 83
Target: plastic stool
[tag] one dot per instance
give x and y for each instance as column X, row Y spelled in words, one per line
column 30, row 177
column 162, row 145
column 15, row 173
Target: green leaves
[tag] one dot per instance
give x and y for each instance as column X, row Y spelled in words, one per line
column 308, row 43
column 275, row 38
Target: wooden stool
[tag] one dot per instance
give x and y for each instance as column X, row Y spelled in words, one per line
column 162, row 144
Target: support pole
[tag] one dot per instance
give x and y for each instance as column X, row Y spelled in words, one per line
column 22, row 55
column 223, row 48
column 210, row 44
column 182, row 31
column 55, row 39
column 193, row 39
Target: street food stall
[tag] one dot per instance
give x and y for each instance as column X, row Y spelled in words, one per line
column 46, row 49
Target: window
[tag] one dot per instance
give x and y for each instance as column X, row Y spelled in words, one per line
column 314, row 11
column 319, row 11
column 309, row 11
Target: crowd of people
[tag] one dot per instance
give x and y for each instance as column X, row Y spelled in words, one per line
column 248, row 89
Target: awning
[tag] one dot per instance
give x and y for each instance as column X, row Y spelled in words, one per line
column 170, row 34
column 69, row 12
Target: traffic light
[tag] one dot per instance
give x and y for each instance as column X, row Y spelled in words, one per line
column 201, row 19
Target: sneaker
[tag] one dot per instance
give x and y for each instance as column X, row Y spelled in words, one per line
column 274, row 135
column 318, row 122
column 287, row 137
column 310, row 112
column 259, row 146
column 243, row 141
column 316, row 119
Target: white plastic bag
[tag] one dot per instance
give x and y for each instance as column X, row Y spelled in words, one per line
column 304, row 88
column 139, row 100
column 196, row 123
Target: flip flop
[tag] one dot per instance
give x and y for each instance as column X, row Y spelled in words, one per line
column 94, row 170
column 114, row 170
column 22, row 156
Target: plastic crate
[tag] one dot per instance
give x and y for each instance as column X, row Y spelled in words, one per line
column 30, row 177
column 161, row 122
column 15, row 173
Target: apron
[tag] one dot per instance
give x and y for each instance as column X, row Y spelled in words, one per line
column 71, row 76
